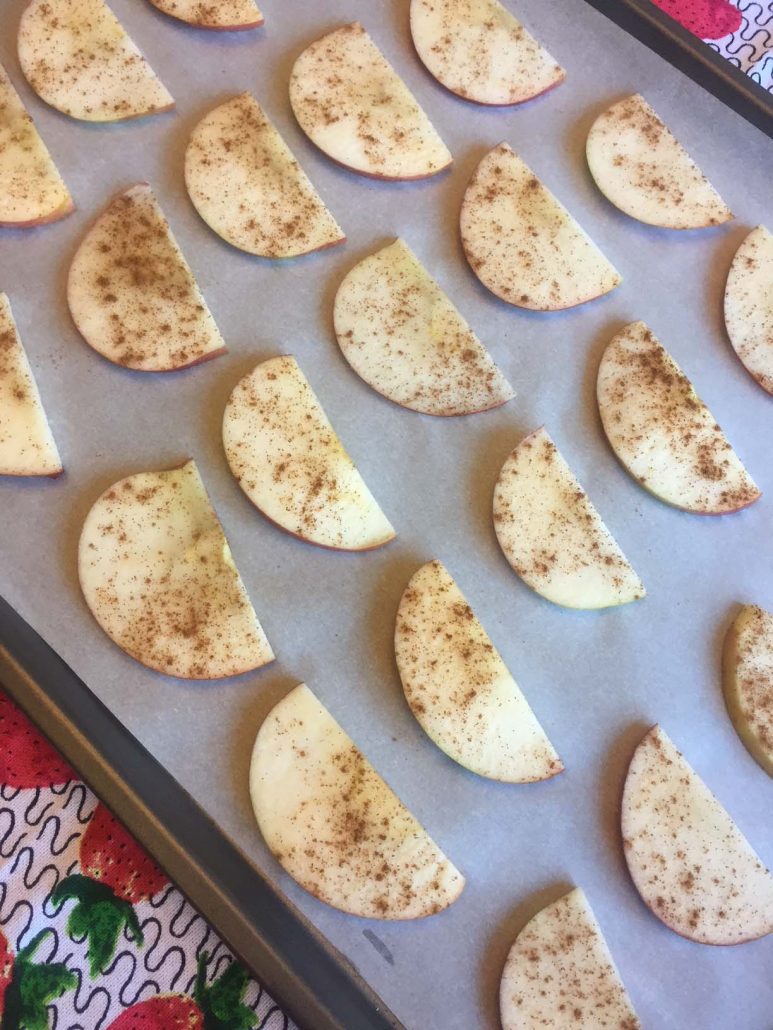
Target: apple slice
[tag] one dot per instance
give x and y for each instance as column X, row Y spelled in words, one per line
column 553, row 536
column 133, row 296
column 27, row 446
column 354, row 106
column 31, row 189
column 748, row 681
column 334, row 824
column 478, row 50
column 286, row 457
column 689, row 861
column 225, row 15
column 663, row 433
column 158, row 575
column 248, row 187
column 560, row 973
column 77, row 57
column 749, row 305
column 460, row 690
column 523, row 244
column 404, row 337
column 644, row 171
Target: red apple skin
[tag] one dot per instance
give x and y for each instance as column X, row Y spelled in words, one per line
column 55, row 216
column 212, row 28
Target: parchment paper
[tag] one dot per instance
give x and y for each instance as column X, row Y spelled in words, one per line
column 596, row 681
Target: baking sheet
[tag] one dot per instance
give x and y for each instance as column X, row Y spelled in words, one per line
column 595, row 680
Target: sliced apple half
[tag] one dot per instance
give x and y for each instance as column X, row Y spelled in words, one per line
column 77, row 57
column 644, row 171
column 403, row 336
column 158, row 575
column 689, row 861
column 460, row 690
column 247, row 186
column 354, row 106
column 553, row 536
column 334, row 824
column 287, row 458
column 224, row 15
column 133, row 296
column 523, row 244
column 749, row 305
column 663, row 433
column 27, row 446
column 31, row 189
column 560, row 973
column 748, row 681
column 478, row 50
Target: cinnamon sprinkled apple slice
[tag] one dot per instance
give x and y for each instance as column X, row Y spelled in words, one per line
column 335, row 825
column 248, row 187
column 286, row 457
column 748, row 681
column 642, row 169
column 478, row 50
column 31, row 189
column 560, row 973
column 689, row 861
column 523, row 244
column 749, row 305
column 354, row 106
column 404, row 337
column 223, row 15
column 27, row 446
column 158, row 575
column 133, row 296
column 77, row 57
column 553, row 536
column 663, row 433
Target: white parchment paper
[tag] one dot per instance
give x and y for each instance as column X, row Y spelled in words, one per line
column 596, row 681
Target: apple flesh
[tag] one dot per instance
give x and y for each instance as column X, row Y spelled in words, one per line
column 224, row 16
column 748, row 681
column 749, row 305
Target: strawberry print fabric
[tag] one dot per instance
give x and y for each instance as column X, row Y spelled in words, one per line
column 93, row 936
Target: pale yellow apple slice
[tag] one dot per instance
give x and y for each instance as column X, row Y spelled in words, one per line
column 560, row 974
column 287, row 458
column 27, row 446
column 553, row 536
column 478, row 50
column 158, row 575
column 748, row 681
column 402, row 334
column 663, row 433
column 523, row 244
column 749, row 305
column 689, row 861
column 354, row 106
column 133, row 296
column 223, row 15
column 642, row 169
column 460, row 690
column 77, row 57
column 247, row 186
column 334, row 824
column 31, row 189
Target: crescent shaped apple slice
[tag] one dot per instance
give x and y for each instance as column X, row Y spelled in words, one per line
column 663, row 433
column 353, row 105
column 287, row 458
column 460, row 690
column 133, row 296
column 158, row 575
column 560, row 973
column 749, row 305
column 644, row 171
column 31, row 189
column 77, row 57
column 748, row 681
column 27, row 446
column 553, row 536
column 479, row 51
column 247, row 186
column 523, row 244
column 689, row 861
column 225, row 15
column 335, row 826
column 403, row 336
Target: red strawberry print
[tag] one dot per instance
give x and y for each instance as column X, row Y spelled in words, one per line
column 708, row 19
column 26, row 989
column 26, row 758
